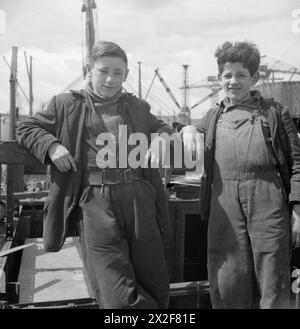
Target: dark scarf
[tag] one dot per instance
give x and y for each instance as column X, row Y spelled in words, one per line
column 98, row 99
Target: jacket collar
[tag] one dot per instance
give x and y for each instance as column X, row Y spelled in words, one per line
column 83, row 93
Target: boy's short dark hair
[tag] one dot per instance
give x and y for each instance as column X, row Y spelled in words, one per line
column 107, row 48
column 245, row 52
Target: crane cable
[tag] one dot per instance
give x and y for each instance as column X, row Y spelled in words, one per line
column 155, row 98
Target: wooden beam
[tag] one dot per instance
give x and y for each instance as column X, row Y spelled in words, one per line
column 4, row 245
column 12, row 153
column 26, row 195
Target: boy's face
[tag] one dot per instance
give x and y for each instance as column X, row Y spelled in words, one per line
column 108, row 75
column 237, row 81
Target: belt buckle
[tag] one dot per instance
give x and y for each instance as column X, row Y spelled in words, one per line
column 127, row 175
column 109, row 177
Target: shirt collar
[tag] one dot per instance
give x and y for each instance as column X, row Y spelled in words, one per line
column 251, row 103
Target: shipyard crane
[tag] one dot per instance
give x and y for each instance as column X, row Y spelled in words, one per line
column 184, row 115
column 266, row 70
column 89, row 10
column 211, row 83
column 29, row 99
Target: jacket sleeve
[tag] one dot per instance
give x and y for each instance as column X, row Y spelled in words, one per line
column 293, row 154
column 156, row 125
column 38, row 132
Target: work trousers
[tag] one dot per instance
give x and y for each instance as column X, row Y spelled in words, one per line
column 122, row 246
column 249, row 226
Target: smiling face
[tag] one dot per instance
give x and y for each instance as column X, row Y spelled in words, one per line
column 107, row 75
column 237, row 81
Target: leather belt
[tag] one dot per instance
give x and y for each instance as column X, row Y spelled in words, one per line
column 117, row 176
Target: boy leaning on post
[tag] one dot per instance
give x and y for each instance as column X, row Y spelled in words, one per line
column 121, row 213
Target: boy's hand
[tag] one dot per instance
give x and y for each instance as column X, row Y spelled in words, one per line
column 295, row 226
column 191, row 142
column 61, row 157
column 156, row 152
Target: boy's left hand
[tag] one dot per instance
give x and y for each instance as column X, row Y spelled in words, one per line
column 295, row 226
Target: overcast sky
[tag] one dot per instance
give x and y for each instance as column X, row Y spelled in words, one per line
column 159, row 33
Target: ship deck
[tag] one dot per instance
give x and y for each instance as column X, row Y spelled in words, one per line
column 52, row 276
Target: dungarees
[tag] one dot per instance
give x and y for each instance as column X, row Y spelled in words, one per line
column 249, row 225
column 124, row 251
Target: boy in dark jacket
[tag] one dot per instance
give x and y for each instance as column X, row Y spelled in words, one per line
column 120, row 208
column 251, row 189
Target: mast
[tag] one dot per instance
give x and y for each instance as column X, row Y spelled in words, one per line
column 185, row 111
column 13, row 84
column 88, row 8
column 29, row 73
column 140, row 80
column 11, row 169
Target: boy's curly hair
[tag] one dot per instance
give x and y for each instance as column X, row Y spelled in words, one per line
column 245, row 52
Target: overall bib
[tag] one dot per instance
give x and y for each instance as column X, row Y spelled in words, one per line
column 249, row 224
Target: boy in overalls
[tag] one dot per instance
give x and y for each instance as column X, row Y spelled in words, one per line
column 251, row 189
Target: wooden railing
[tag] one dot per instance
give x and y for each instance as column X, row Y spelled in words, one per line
column 12, row 155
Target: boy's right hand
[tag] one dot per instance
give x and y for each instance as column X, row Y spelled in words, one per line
column 61, row 157
column 191, row 141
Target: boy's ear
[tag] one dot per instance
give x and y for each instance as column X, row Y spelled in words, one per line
column 255, row 78
column 126, row 74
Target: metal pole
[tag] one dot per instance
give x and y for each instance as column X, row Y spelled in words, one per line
column 185, row 111
column 150, row 85
column 12, row 134
column 168, row 90
column 30, row 88
column 29, row 73
column 185, row 87
column 88, row 7
column 140, row 80
column 13, row 82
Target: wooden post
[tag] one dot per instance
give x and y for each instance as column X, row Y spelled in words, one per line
column 12, row 135
column 29, row 73
column 13, row 83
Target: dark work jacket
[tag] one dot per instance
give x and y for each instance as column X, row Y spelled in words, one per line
column 285, row 144
column 64, row 121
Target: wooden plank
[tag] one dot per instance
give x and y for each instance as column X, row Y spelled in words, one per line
column 12, row 153
column 14, row 249
column 189, row 288
column 194, row 294
column 178, row 209
column 52, row 276
column 26, row 195
column 4, row 246
column 10, row 202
